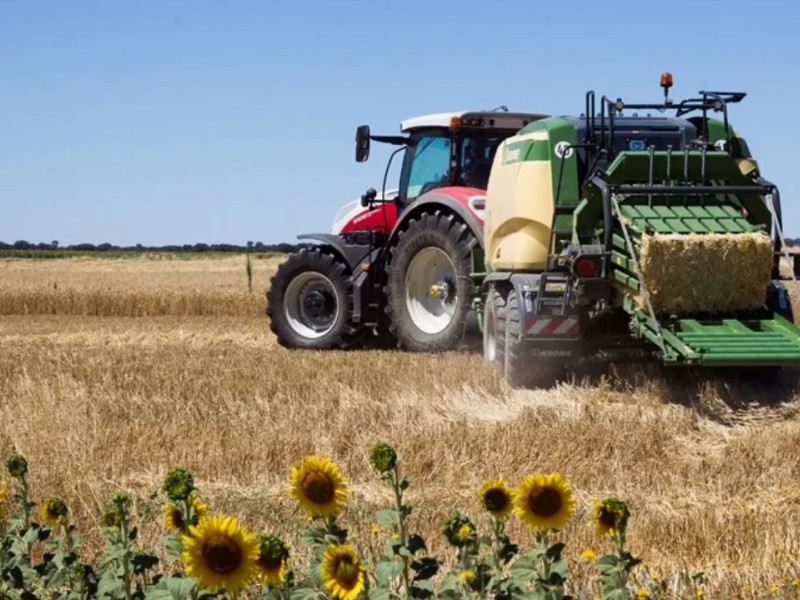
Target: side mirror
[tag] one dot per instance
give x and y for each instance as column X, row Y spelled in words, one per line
column 362, row 143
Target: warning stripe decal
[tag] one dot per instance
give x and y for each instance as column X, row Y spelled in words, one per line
column 547, row 327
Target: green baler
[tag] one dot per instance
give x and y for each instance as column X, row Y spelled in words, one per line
column 615, row 181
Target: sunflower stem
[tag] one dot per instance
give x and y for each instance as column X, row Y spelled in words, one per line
column 545, row 559
column 126, row 568
column 498, row 526
column 26, row 510
column 401, row 525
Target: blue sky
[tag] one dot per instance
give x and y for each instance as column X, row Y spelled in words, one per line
column 190, row 121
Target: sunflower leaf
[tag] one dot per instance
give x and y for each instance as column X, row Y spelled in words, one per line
column 142, row 562
column 109, row 585
column 425, row 568
column 173, row 546
column 380, row 593
column 524, row 568
column 416, row 543
column 606, row 564
column 313, row 536
column 554, row 551
column 507, row 550
column 304, row 593
column 386, row 517
column 420, row 592
column 622, row 594
column 386, row 570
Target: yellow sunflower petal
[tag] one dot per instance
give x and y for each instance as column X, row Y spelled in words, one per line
column 220, row 555
column 544, row 501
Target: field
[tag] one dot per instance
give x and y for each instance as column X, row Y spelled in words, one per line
column 113, row 371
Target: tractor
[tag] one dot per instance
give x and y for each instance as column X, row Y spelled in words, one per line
column 399, row 265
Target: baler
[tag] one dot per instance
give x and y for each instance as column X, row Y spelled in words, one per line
column 639, row 230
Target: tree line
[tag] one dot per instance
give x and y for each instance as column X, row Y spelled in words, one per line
column 199, row 247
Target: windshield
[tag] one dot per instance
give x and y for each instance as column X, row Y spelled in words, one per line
column 428, row 163
column 429, row 166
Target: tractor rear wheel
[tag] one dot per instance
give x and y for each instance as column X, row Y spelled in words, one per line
column 428, row 285
column 520, row 367
column 310, row 301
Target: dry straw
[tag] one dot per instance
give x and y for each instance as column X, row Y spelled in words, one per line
column 706, row 272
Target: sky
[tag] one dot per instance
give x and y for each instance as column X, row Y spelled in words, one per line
column 185, row 121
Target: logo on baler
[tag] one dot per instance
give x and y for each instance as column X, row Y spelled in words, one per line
column 563, row 150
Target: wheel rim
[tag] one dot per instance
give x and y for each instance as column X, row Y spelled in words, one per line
column 489, row 337
column 431, row 282
column 310, row 305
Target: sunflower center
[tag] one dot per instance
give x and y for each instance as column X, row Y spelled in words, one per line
column 319, row 488
column 545, row 503
column 177, row 517
column 222, row 555
column 495, row 499
column 346, row 572
column 270, row 563
column 607, row 519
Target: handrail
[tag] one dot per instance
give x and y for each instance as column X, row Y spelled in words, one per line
column 637, row 270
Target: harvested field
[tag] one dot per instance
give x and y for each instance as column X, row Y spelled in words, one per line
column 708, row 462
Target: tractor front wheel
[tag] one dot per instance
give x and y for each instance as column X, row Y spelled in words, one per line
column 429, row 289
column 310, row 301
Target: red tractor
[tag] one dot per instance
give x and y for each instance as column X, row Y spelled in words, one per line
column 398, row 264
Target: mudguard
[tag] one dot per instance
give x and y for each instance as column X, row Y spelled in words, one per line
column 455, row 199
column 352, row 254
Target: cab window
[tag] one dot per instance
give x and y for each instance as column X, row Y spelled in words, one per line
column 429, row 166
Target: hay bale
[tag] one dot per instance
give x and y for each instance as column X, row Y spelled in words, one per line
column 711, row 272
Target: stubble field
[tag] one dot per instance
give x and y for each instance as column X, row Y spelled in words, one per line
column 113, row 371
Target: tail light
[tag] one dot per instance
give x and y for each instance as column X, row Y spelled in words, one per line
column 585, row 267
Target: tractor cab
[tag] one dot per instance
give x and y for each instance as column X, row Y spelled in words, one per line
column 446, row 149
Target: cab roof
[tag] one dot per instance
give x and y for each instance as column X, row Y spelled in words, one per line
column 472, row 120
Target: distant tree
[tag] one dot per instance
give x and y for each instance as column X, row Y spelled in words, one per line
column 22, row 245
column 54, row 243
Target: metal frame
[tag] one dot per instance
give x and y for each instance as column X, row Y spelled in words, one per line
column 708, row 101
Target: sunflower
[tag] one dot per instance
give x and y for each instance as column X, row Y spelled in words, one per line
column 342, row 574
column 459, row 530
column 496, row 498
column 220, row 554
column 318, row 487
column 173, row 517
column 3, row 497
column 173, row 514
column 544, row 501
column 54, row 511
column 272, row 558
column 610, row 517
